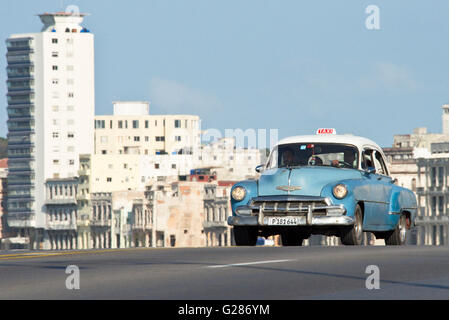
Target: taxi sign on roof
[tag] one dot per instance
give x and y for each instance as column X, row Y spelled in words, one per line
column 326, row 131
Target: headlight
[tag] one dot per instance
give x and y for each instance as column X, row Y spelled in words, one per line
column 238, row 193
column 340, row 191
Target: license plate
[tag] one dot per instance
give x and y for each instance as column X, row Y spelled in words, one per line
column 283, row 221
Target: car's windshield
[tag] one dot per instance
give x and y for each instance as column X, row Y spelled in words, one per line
column 313, row 154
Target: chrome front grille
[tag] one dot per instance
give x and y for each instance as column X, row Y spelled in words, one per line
column 290, row 205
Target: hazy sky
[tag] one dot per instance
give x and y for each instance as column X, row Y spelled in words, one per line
column 292, row 65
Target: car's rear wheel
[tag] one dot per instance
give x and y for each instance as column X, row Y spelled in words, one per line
column 245, row 236
column 353, row 236
column 291, row 238
column 398, row 236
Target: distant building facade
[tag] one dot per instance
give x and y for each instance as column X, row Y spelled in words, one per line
column 132, row 130
column 433, row 198
column 217, row 209
column 3, row 197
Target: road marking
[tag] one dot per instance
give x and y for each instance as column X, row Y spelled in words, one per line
column 31, row 255
column 248, row 263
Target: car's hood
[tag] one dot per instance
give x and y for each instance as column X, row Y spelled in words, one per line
column 307, row 181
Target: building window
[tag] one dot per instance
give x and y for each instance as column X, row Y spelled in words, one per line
column 156, row 166
column 54, row 40
column 177, row 123
column 160, row 138
column 71, row 162
column 70, row 135
column 109, row 179
column 147, row 139
column 56, row 162
column 55, row 81
column 55, row 67
column 147, row 124
column 120, row 124
column 55, row 134
column 173, row 166
column 54, row 54
column 100, row 124
column 135, row 124
column 136, row 139
column 70, row 95
column 177, row 138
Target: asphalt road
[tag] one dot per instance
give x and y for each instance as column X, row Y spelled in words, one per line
column 267, row 273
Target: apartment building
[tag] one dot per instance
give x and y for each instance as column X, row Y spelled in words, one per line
column 50, row 114
column 131, row 130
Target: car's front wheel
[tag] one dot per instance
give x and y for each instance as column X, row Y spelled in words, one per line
column 245, row 236
column 398, row 236
column 353, row 236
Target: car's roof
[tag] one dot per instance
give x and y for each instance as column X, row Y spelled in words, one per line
column 359, row 142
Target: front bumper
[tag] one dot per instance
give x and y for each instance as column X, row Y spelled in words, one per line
column 306, row 211
column 316, row 221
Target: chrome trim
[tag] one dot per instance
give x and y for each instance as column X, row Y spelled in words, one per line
column 289, row 198
column 316, row 221
column 288, row 188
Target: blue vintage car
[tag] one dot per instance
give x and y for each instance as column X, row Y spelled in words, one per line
column 329, row 184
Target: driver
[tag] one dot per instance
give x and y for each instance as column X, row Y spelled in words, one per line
column 349, row 158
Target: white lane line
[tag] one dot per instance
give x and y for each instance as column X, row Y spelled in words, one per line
column 247, row 263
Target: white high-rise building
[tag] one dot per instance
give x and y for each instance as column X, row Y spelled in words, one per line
column 51, row 106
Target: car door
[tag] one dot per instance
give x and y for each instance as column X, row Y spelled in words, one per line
column 385, row 185
column 375, row 193
column 377, row 202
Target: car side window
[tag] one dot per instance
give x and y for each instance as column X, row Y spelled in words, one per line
column 367, row 159
column 381, row 168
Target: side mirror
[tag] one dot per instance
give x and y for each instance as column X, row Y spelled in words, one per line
column 259, row 168
column 370, row 170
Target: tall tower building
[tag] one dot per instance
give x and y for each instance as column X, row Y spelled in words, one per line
column 51, row 106
column 445, row 118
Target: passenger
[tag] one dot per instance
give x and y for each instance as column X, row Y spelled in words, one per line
column 288, row 158
column 349, row 157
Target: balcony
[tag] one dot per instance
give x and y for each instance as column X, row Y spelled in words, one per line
column 21, row 219
column 18, row 44
column 215, row 224
column 60, row 225
column 99, row 223
column 61, row 201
